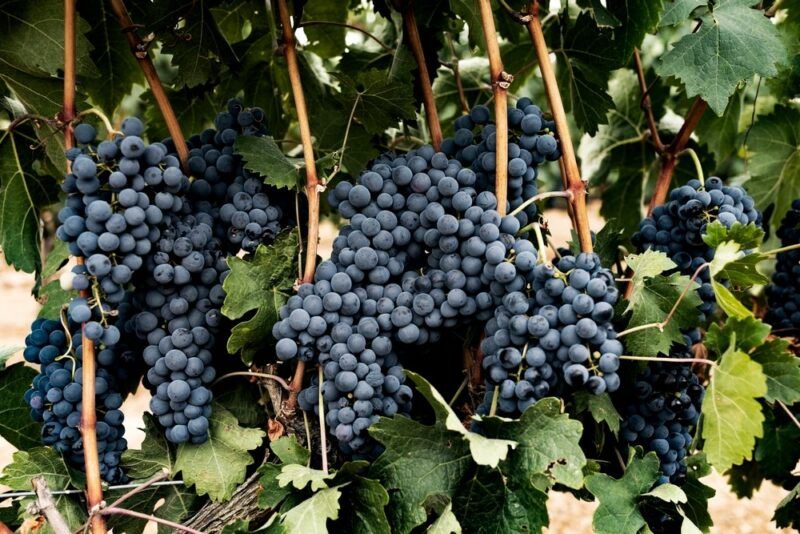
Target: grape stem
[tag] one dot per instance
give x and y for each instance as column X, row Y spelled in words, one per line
column 669, row 360
column 306, row 23
column 646, row 104
column 661, row 325
column 495, row 396
column 414, row 42
column 541, row 196
column 542, row 256
column 131, row 513
column 570, row 171
column 313, row 185
column 698, row 167
column 323, row 438
column 787, row 248
column 459, row 391
column 102, row 116
column 139, row 49
column 501, row 80
column 285, row 385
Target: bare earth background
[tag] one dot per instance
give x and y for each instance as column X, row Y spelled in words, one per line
column 567, row 514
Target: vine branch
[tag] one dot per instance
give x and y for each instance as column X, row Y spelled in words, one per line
column 570, row 171
column 139, row 49
column 500, row 80
column 47, row 506
column 313, row 185
column 646, row 104
column 113, row 510
column 431, row 114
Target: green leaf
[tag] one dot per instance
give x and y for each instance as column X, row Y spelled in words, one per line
column 263, row 284
column 548, row 444
column 37, row 461
column 154, row 456
column 289, row 450
column 587, row 98
column 419, row 461
column 22, row 195
column 173, row 503
column 485, row 451
column 732, row 418
column 782, row 369
column 787, row 514
column 775, row 163
column 118, row 67
column 301, row 476
column 721, row 133
column 365, row 511
column 651, row 301
column 38, row 95
column 697, row 493
column 743, row 272
column 667, row 493
column 776, row 452
column 602, row 16
column 729, row 303
column 197, row 51
column 608, row 241
column 677, row 11
column 239, row 526
column 218, row 465
column 272, row 494
column 261, row 155
column 618, row 512
column 33, row 38
column 725, row 253
column 745, row 235
column 232, row 18
column 380, row 102
column 327, row 40
column 16, row 425
column 311, row 516
column 55, row 260
column 53, row 298
column 600, row 407
column 745, row 333
column 5, row 353
column 712, row 61
column 485, row 504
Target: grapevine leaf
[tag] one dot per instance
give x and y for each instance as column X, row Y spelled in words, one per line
column 651, row 301
column 446, row 523
column 485, row 503
column 469, row 13
column 301, row 476
column 743, row 272
column 747, row 236
column 419, row 461
column 697, row 493
column 239, row 526
column 52, row 298
column 618, row 512
column 173, row 503
column 667, row 493
column 712, row 61
column 380, row 102
column 38, row 95
column 261, row 284
column 272, row 494
column 602, row 16
column 728, row 302
column 22, row 195
column 724, row 254
column 43, row 461
column 782, row 369
column 327, row 40
column 777, row 452
column 548, row 444
column 7, row 352
column 677, row 11
column 587, row 97
column 289, row 450
column 608, row 240
column 232, row 18
column 365, row 513
column 16, row 425
column 745, row 479
column 485, row 451
column 720, row 133
column 155, row 455
column 786, row 84
column 787, row 514
column 600, row 407
column 55, row 259
column 263, row 156
column 33, row 38
column 218, row 465
column 732, row 418
column 118, row 68
column 311, row 515
column 775, row 163
column 196, row 52
column 747, row 333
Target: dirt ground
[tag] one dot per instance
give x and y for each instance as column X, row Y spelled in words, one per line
column 567, row 515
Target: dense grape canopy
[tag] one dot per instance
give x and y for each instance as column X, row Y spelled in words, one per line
column 784, row 293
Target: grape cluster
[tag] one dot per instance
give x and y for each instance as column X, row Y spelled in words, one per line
column 55, row 397
column 783, row 294
column 246, row 211
column 554, row 332
column 120, row 194
column 424, row 250
column 661, row 413
column 677, row 227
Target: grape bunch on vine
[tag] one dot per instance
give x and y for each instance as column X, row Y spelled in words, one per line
column 401, row 266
